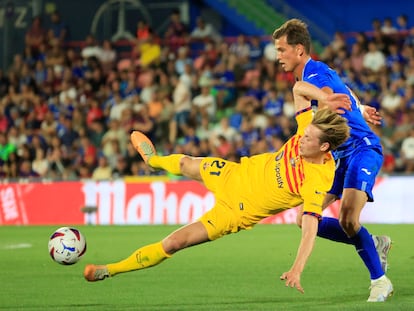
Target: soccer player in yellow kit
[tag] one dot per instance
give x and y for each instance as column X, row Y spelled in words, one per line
column 301, row 172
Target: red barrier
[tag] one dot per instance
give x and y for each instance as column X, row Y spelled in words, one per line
column 160, row 201
column 117, row 202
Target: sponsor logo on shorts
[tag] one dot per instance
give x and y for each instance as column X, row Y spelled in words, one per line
column 211, row 223
column 312, row 75
column 366, row 171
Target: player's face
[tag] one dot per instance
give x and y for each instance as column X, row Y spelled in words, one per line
column 309, row 146
column 287, row 55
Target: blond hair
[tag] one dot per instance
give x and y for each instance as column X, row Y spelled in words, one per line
column 334, row 128
column 296, row 32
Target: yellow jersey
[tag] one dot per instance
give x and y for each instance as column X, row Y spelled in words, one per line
column 269, row 183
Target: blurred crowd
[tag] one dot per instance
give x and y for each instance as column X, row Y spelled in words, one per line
column 66, row 111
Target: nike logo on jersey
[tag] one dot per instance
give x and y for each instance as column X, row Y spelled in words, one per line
column 319, row 192
column 366, row 171
column 211, row 223
column 312, row 75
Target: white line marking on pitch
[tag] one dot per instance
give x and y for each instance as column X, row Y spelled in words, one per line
column 16, row 246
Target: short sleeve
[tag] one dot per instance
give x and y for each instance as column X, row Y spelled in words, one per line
column 303, row 118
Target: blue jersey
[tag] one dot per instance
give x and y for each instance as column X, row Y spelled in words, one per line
column 320, row 75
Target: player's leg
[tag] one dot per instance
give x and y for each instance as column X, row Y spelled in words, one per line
column 353, row 202
column 330, row 228
column 362, row 168
column 177, row 164
column 359, row 182
column 152, row 254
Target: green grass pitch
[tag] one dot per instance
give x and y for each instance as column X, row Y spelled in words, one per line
column 237, row 272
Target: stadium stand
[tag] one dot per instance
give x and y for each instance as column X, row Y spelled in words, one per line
column 67, row 108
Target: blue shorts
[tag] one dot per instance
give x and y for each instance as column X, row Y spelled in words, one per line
column 182, row 117
column 357, row 171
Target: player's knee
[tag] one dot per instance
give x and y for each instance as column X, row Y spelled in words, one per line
column 185, row 164
column 190, row 167
column 348, row 225
column 299, row 221
column 173, row 244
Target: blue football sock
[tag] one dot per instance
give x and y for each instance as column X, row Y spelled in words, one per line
column 366, row 250
column 329, row 228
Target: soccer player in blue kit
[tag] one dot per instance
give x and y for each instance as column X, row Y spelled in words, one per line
column 359, row 159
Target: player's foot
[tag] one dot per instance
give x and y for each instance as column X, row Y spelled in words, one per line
column 380, row 290
column 143, row 145
column 383, row 246
column 93, row 273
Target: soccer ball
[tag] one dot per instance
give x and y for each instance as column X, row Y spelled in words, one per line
column 67, row 245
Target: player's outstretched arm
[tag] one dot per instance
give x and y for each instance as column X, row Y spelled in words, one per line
column 336, row 102
column 309, row 230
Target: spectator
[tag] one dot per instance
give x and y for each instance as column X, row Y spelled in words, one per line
column 121, row 168
column 176, row 33
column 36, row 34
column 60, row 92
column 58, row 30
column 66, row 133
column 357, row 58
column 87, row 153
column 40, row 164
column 241, row 49
column 402, row 23
column 107, row 56
column 103, row 171
column 387, row 27
column 407, row 152
column 143, row 31
column 91, row 48
column 16, row 137
column 224, row 129
column 409, row 39
column 182, row 108
column 204, row 104
column 273, row 103
column 143, row 122
column 4, row 121
column 6, row 148
column 392, row 102
column 203, row 129
column 182, row 60
column 4, row 84
column 26, row 171
column 394, row 55
column 29, row 57
column 204, row 31
column 374, row 59
column 40, row 73
column 115, row 132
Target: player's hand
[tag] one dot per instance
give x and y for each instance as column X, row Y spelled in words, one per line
column 371, row 115
column 338, row 102
column 292, row 279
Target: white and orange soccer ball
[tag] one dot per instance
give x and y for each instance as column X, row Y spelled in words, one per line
column 67, row 245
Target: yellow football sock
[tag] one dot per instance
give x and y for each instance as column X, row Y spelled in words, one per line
column 170, row 163
column 142, row 258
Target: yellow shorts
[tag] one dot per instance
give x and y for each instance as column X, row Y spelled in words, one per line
column 220, row 177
